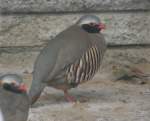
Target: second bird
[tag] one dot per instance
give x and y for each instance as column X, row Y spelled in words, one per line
column 71, row 58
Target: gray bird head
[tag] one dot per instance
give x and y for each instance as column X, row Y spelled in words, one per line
column 13, row 83
column 90, row 23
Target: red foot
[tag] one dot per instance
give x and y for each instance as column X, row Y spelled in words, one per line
column 68, row 97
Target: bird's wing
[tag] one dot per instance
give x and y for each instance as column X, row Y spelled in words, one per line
column 65, row 49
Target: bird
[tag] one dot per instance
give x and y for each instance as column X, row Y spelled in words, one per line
column 14, row 101
column 71, row 58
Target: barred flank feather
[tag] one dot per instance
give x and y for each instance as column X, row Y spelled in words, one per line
column 85, row 68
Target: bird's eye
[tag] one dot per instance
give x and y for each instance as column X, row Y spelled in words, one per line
column 91, row 24
column 13, row 84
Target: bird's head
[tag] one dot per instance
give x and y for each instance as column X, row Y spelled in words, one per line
column 91, row 23
column 13, row 83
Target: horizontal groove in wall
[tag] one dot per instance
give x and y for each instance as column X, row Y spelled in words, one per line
column 71, row 12
column 129, row 46
column 18, row 49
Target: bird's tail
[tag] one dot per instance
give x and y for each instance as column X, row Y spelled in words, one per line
column 35, row 91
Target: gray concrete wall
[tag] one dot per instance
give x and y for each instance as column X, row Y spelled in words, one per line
column 27, row 25
column 72, row 5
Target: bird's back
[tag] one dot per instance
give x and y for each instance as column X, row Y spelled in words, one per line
column 78, row 58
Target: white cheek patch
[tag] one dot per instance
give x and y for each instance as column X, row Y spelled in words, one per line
column 8, row 82
column 1, row 116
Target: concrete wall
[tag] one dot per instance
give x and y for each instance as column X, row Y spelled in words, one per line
column 27, row 25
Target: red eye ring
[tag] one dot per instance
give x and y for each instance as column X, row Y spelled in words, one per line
column 23, row 88
column 102, row 26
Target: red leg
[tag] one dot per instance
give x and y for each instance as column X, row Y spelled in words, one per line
column 68, row 97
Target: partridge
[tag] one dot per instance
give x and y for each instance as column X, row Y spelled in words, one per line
column 14, row 101
column 71, row 58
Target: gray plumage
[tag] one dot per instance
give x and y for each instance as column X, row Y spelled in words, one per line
column 71, row 58
column 1, row 116
column 14, row 106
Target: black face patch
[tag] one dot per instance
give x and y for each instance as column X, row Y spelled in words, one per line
column 91, row 28
column 11, row 88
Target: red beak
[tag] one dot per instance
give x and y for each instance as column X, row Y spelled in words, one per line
column 23, row 88
column 102, row 26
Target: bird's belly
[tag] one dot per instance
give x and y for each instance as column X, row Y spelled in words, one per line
column 60, row 83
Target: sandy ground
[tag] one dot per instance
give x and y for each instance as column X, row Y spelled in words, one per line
column 100, row 100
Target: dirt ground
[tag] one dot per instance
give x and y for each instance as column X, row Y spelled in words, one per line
column 100, row 100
